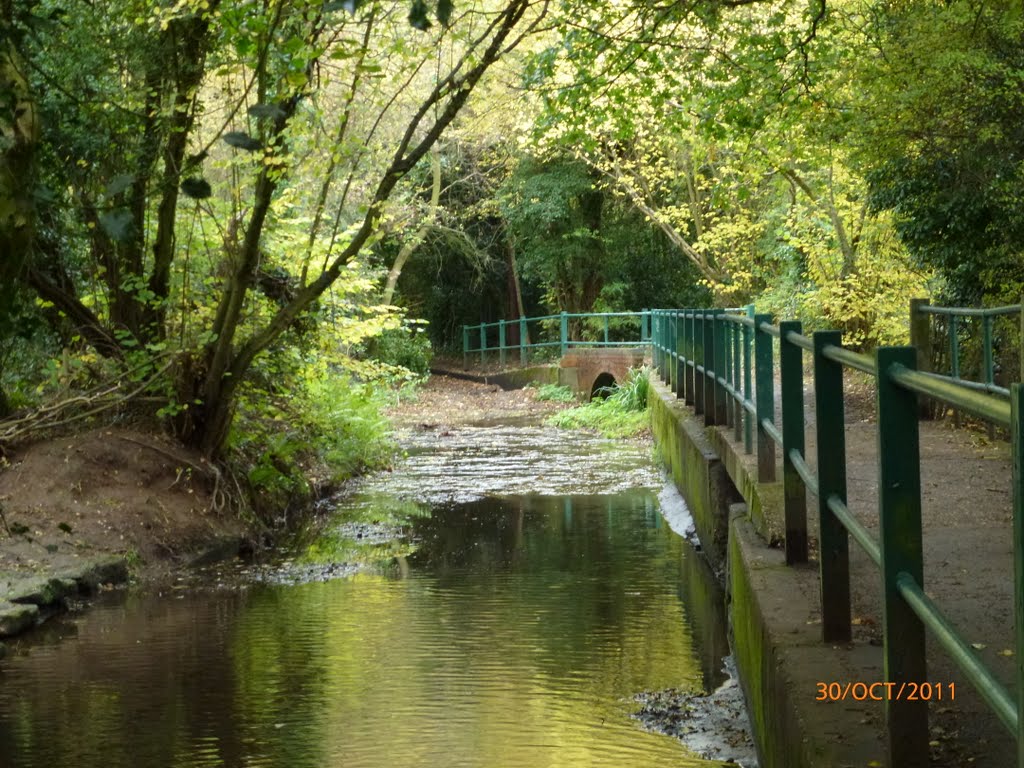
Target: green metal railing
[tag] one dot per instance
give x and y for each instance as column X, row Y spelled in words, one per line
column 921, row 312
column 610, row 329
column 722, row 364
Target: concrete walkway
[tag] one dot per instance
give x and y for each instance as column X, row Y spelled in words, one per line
column 967, row 523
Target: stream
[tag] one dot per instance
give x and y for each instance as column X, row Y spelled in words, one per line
column 501, row 599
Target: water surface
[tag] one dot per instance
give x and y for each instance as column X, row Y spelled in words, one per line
column 510, row 627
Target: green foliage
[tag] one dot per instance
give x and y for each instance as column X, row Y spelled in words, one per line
column 407, row 346
column 631, row 395
column 605, row 417
column 555, row 393
column 320, row 427
column 622, row 413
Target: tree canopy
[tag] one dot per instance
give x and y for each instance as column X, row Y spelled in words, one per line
column 208, row 197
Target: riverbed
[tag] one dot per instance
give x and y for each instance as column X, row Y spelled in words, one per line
column 501, row 599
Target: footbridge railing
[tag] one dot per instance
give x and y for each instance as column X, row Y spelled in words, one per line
column 524, row 337
column 724, row 365
column 955, row 321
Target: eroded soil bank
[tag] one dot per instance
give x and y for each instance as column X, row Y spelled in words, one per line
column 86, row 510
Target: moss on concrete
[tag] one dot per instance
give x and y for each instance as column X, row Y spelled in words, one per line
column 774, row 612
column 694, row 467
column 765, row 501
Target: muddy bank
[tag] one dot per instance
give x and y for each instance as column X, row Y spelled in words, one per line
column 88, row 510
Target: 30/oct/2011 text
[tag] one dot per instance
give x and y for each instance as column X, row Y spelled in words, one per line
column 882, row 691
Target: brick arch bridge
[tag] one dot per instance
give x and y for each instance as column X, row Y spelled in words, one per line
column 588, row 368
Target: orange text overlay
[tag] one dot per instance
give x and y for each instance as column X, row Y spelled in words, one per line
column 860, row 691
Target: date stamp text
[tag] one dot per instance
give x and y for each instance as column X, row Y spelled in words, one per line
column 879, row 691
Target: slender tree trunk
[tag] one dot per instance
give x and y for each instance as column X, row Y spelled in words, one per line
column 228, row 365
column 409, row 247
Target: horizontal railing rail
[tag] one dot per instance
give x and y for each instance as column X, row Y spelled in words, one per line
column 923, row 337
column 722, row 364
column 526, row 334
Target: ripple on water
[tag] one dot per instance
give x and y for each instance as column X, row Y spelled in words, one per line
column 466, row 464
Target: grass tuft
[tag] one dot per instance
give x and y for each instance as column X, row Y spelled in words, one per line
column 623, row 413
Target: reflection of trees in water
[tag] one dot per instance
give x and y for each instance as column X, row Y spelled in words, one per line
column 589, row 567
column 529, row 615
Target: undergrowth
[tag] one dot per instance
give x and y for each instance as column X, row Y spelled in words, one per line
column 555, row 393
column 621, row 413
column 309, row 439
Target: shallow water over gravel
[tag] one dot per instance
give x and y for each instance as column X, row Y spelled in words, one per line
column 505, row 594
column 463, row 464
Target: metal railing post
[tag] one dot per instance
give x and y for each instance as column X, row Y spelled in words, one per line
column 739, row 412
column 726, row 365
column 483, row 341
column 501, row 342
column 645, row 333
column 1017, row 447
column 834, row 541
column 680, row 356
column 564, row 329
column 606, row 329
column 465, row 346
column 710, row 405
column 764, row 399
column 524, row 340
column 699, row 378
column 899, row 497
column 718, row 368
column 986, row 334
column 748, row 420
column 670, row 354
column 921, row 339
column 655, row 342
column 791, row 369
column 986, row 324
column 688, row 348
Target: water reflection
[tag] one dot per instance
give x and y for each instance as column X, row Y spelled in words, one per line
column 515, row 636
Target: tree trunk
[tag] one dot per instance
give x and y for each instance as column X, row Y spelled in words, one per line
column 19, row 132
column 411, row 245
column 226, row 364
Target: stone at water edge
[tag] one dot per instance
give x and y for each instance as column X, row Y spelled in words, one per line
column 16, row 618
column 42, row 590
column 104, row 570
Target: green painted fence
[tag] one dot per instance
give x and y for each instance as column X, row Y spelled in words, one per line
column 723, row 364
column 601, row 329
column 957, row 321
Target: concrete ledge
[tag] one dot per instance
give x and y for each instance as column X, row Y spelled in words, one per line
column 776, row 633
column 765, row 501
column 695, row 468
column 775, row 624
